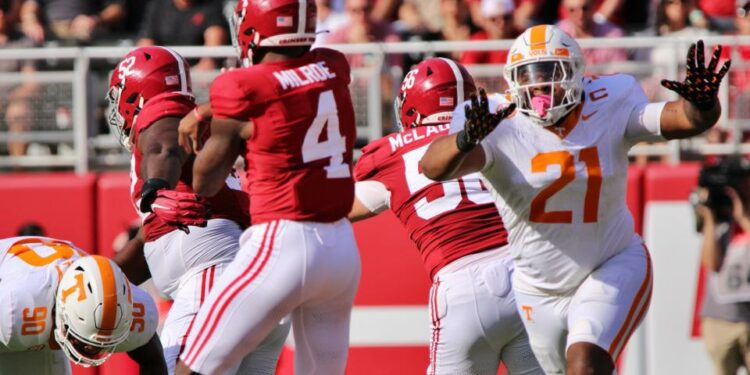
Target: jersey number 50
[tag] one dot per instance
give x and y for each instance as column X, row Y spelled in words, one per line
column 452, row 189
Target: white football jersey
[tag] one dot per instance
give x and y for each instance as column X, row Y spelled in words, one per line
column 30, row 269
column 561, row 191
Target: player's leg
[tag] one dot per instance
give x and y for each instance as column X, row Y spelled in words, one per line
column 254, row 293
column 265, row 357
column 176, row 254
column 606, row 309
column 544, row 318
column 193, row 291
column 500, row 319
column 321, row 323
column 473, row 317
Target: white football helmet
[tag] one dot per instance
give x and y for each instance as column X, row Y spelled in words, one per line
column 93, row 310
column 545, row 73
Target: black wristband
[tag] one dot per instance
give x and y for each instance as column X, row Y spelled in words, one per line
column 463, row 143
column 149, row 190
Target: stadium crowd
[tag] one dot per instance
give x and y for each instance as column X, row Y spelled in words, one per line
column 28, row 106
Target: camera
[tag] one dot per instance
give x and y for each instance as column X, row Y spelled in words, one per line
column 715, row 178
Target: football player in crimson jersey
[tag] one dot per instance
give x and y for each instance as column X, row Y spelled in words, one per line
column 455, row 226
column 186, row 248
column 558, row 167
column 290, row 111
column 60, row 305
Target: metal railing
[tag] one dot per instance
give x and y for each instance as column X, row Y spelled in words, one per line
column 68, row 116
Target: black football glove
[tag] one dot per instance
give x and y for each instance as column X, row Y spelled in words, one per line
column 479, row 121
column 701, row 83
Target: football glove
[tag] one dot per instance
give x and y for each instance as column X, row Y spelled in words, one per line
column 180, row 209
column 479, row 121
column 701, row 83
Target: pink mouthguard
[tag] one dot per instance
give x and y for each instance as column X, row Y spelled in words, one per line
column 541, row 104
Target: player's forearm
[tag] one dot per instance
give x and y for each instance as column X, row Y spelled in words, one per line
column 150, row 358
column 164, row 162
column 211, row 169
column 681, row 119
column 132, row 261
column 443, row 159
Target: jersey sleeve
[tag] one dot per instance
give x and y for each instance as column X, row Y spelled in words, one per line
column 145, row 321
column 231, row 98
column 373, row 195
column 643, row 122
column 25, row 324
column 170, row 105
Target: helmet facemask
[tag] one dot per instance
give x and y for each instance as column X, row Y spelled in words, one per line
column 81, row 351
column 546, row 90
column 114, row 119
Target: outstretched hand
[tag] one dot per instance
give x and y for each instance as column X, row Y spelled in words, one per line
column 479, row 121
column 701, row 83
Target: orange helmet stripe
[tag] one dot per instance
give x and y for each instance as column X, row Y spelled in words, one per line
column 538, row 37
column 109, row 294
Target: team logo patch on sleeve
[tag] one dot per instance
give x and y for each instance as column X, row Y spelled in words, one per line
column 284, row 21
column 446, row 101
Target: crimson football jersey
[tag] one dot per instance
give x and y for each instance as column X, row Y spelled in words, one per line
column 446, row 220
column 299, row 157
column 229, row 203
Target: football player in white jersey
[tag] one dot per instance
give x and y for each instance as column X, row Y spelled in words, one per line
column 59, row 304
column 558, row 165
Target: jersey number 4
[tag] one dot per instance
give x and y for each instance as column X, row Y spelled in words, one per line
column 334, row 146
column 565, row 160
column 426, row 209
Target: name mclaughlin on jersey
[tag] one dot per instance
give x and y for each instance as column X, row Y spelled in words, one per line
column 406, row 137
column 304, row 75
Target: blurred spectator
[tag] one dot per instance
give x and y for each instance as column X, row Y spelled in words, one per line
column 739, row 90
column 71, row 21
column 385, row 10
column 31, row 229
column 328, row 20
column 421, row 16
column 580, row 23
column 719, row 13
column 14, row 97
column 724, row 219
column 673, row 17
column 361, row 27
column 496, row 23
column 185, row 23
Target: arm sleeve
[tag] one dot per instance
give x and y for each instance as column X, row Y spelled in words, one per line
column 145, row 320
column 644, row 123
column 373, row 195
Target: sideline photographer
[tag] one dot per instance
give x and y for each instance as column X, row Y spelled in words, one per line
column 722, row 204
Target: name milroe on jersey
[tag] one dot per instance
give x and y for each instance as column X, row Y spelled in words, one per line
column 304, row 75
column 405, row 138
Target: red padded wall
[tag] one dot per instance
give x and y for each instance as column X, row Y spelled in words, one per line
column 114, row 212
column 61, row 202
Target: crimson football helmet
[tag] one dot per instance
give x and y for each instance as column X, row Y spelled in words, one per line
column 272, row 23
column 430, row 92
column 141, row 75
